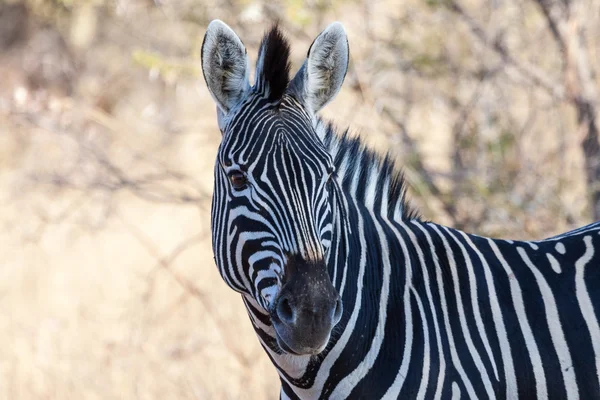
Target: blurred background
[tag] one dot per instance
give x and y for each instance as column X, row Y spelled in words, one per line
column 108, row 288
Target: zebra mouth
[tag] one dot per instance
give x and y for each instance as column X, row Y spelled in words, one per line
column 283, row 346
column 304, row 351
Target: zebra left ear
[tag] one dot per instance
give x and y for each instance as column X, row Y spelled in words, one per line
column 225, row 65
column 322, row 74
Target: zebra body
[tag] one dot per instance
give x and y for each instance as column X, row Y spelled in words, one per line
column 351, row 294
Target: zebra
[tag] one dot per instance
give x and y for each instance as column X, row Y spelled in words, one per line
column 351, row 293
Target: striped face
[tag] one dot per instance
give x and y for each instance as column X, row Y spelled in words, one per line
column 271, row 200
column 272, row 218
column 274, row 197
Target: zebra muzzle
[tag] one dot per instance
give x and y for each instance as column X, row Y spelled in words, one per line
column 306, row 309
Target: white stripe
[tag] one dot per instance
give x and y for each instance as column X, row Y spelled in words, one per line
column 530, row 344
column 509, row 371
column 553, row 263
column 231, row 264
column 396, row 386
column 433, row 311
column 475, row 301
column 371, row 191
column 346, row 385
column 345, row 225
column 556, row 333
column 455, row 391
column 585, row 303
column 426, row 350
column 450, row 336
column 385, row 198
column 463, row 319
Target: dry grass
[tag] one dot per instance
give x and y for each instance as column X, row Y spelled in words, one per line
column 108, row 288
column 119, row 297
column 120, row 303
column 104, row 294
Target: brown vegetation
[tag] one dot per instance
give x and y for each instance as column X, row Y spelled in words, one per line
column 107, row 140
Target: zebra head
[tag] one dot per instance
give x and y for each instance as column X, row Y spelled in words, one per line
column 274, row 198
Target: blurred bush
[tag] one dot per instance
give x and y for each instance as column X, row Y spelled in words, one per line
column 108, row 135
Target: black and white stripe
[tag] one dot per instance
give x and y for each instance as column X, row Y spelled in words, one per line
column 430, row 312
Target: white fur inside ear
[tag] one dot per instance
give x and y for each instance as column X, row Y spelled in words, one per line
column 327, row 64
column 225, row 65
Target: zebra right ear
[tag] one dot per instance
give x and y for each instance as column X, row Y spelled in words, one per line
column 322, row 74
column 225, row 65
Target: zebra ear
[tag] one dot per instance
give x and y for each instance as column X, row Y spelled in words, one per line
column 322, row 74
column 225, row 65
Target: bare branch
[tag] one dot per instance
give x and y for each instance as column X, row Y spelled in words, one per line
column 165, row 264
column 530, row 72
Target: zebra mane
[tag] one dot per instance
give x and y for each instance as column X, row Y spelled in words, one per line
column 273, row 64
column 367, row 175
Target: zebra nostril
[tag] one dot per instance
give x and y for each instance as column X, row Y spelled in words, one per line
column 337, row 312
column 285, row 312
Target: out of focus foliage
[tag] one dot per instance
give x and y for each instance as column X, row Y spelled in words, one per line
column 108, row 136
column 490, row 96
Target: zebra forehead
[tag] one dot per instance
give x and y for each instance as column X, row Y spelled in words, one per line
column 265, row 138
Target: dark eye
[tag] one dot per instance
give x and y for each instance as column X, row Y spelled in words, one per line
column 238, row 179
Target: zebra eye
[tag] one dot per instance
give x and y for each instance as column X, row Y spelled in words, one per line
column 238, row 179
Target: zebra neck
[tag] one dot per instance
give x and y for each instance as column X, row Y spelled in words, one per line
column 415, row 293
column 373, row 273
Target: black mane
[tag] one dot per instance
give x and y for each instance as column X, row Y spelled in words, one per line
column 360, row 159
column 274, row 52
